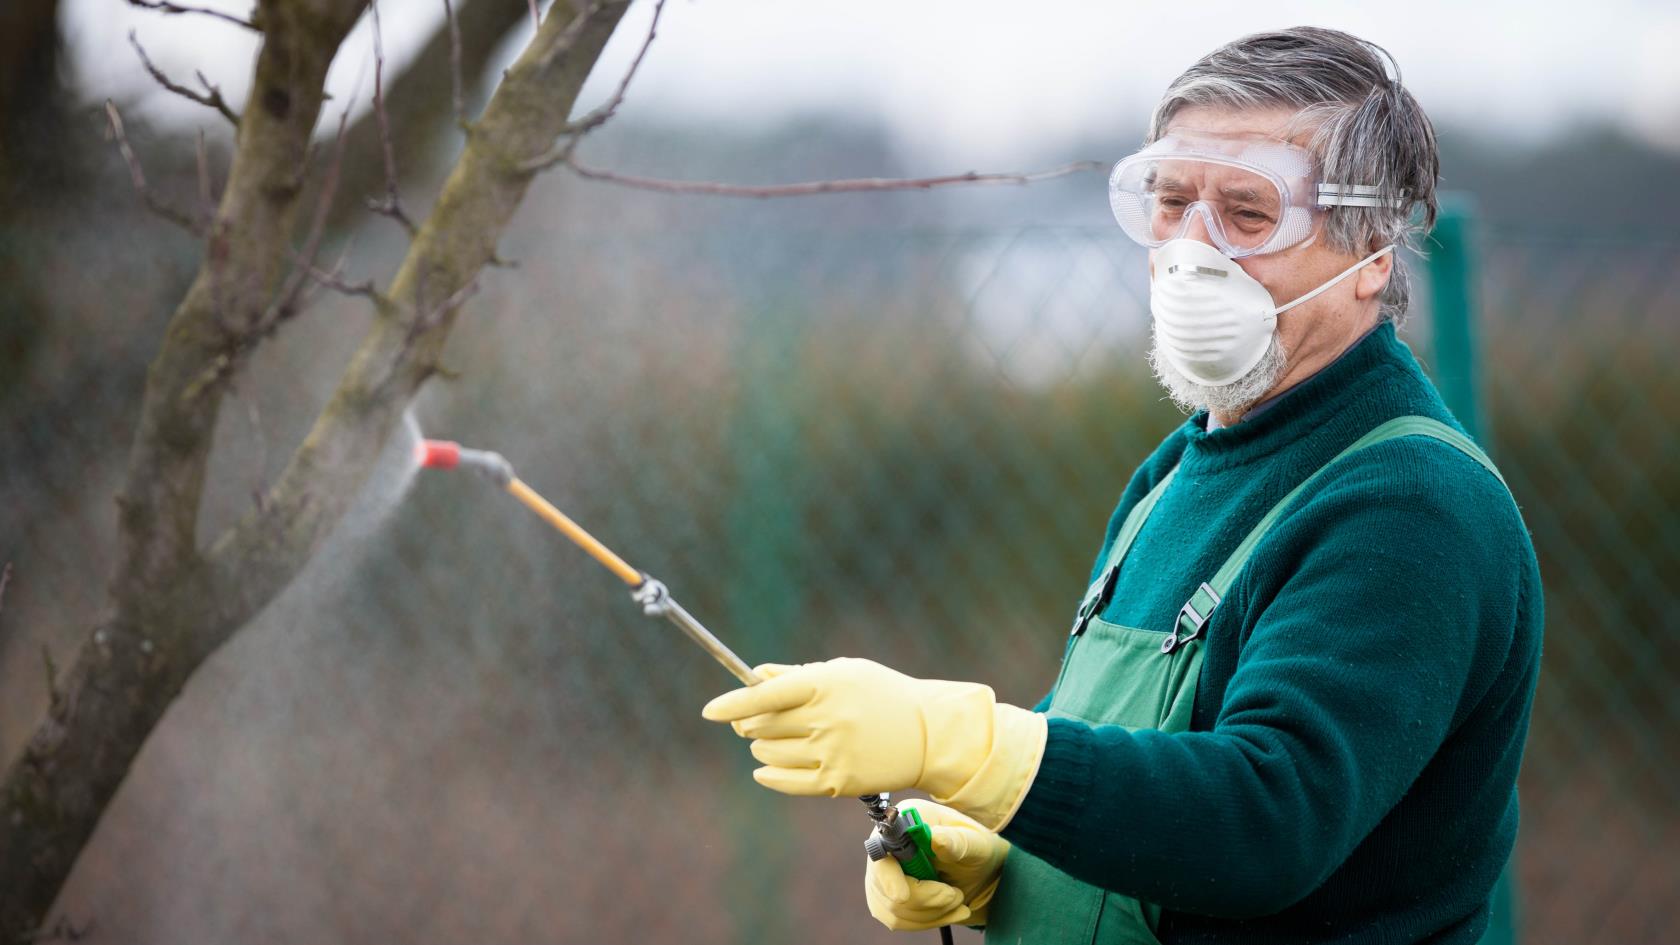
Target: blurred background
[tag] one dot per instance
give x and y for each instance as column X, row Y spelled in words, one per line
column 889, row 425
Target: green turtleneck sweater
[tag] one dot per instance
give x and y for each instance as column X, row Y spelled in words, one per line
column 1350, row 772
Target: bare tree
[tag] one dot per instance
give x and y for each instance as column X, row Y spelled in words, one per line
column 172, row 602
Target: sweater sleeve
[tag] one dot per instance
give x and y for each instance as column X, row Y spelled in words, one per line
column 1374, row 615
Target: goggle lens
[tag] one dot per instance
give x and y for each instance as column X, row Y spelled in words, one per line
column 1238, row 210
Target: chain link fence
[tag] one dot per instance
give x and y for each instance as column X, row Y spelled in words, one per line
column 900, row 444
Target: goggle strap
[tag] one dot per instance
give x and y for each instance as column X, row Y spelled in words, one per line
column 1357, row 195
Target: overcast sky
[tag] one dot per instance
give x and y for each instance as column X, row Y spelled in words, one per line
column 978, row 82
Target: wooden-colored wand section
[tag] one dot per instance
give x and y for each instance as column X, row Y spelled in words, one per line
column 656, row 601
column 575, row 532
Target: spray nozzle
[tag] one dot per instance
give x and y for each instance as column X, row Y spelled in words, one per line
column 445, row 454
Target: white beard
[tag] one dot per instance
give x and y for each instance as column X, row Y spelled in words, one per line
column 1228, row 400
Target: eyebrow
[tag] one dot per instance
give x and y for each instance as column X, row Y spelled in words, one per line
column 1234, row 192
column 1243, row 194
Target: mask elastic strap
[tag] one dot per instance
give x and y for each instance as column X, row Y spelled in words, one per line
column 1345, row 273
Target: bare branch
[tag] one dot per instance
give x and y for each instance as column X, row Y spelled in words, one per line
column 807, row 188
column 211, row 97
column 254, row 416
column 138, row 176
column 223, row 365
column 286, row 300
column 215, row 92
column 54, row 697
column 574, row 131
column 598, row 116
column 550, row 49
column 417, row 97
column 164, row 7
column 61, row 931
column 5, row 579
column 391, row 206
column 333, row 279
column 427, row 321
column 206, row 198
column 249, row 563
column 455, row 97
column 336, row 272
column 536, row 21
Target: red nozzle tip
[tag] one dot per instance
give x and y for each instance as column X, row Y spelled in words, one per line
column 437, row 454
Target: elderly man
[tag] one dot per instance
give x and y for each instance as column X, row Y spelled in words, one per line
column 1293, row 702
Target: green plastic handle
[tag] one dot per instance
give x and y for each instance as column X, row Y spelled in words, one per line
column 920, row 865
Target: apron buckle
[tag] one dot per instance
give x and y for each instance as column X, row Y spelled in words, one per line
column 1095, row 597
column 1189, row 624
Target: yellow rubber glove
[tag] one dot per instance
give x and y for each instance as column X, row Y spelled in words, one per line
column 969, row 859
column 852, row 726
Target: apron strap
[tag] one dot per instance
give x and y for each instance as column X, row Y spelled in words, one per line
column 1096, row 595
column 1196, row 611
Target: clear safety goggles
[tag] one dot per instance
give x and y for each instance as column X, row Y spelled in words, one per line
column 1250, row 196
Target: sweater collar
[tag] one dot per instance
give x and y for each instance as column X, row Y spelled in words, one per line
column 1320, row 400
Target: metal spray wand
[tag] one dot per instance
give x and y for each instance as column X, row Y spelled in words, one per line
column 902, row 835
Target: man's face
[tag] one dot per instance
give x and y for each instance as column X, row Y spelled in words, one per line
column 1317, row 325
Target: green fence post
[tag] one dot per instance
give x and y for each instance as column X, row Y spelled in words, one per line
column 1453, row 308
column 1452, row 291
column 763, row 596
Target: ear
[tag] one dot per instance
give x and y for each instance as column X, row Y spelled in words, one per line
column 1370, row 280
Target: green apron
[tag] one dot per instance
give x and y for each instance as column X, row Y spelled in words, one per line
column 1139, row 679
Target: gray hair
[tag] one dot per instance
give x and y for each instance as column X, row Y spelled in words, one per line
column 1365, row 128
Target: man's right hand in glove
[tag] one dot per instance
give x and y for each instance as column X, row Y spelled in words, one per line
column 968, row 857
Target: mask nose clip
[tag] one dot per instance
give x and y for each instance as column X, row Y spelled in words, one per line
column 1198, row 270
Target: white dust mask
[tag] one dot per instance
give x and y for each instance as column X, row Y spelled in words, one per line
column 1213, row 321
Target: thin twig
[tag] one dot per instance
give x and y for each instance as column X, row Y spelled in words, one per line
column 335, row 281
column 5, row 579
column 286, row 302
column 425, row 321
column 164, row 7
column 599, row 116
column 391, row 206
column 455, row 64
column 138, row 177
column 337, row 271
column 206, row 198
column 255, row 417
column 61, row 931
column 215, row 92
column 536, row 21
column 807, row 188
column 574, row 131
column 568, row 37
column 50, row 669
column 210, row 98
column 223, row 364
